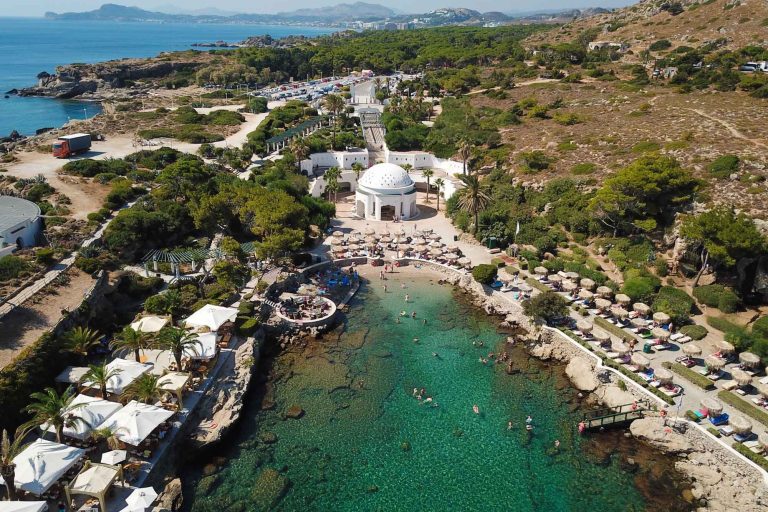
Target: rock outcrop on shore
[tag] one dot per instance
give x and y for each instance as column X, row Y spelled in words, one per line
column 220, row 408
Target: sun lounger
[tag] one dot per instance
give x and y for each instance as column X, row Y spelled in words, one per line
column 727, row 430
column 719, row 420
column 676, row 336
column 684, row 340
column 700, row 414
column 728, row 386
column 740, row 438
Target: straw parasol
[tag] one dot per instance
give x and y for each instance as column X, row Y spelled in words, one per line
column 587, row 283
column 586, row 294
column 451, row 256
column 762, row 389
column 764, row 440
column 542, row 271
column 584, row 326
column 661, row 318
column 601, row 336
column 639, row 307
column 555, row 278
column 601, row 303
column 621, row 348
column 569, row 286
column 572, row 275
column 740, row 424
column 369, row 231
column 435, row 236
column 524, row 287
column 385, row 239
column 638, row 322
column 640, row 360
column 749, row 359
column 713, row 406
column 338, row 234
column 691, row 349
column 385, row 232
column 660, row 333
column 604, row 291
column 435, row 243
column 623, row 299
column 620, row 312
column 724, row 347
column 465, row 261
column 435, row 252
column 741, row 377
column 663, row 375
column 370, row 239
column 403, row 247
column 453, row 248
column 714, row 363
column 420, row 247
column 354, row 247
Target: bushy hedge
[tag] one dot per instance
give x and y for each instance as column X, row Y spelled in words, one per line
column 11, row 267
column 585, row 271
column 743, row 406
column 484, row 273
column 89, row 168
column 674, row 302
column 696, row 332
column 717, row 296
column 760, row 327
column 248, row 326
column 724, row 166
column 758, row 459
column 689, row 375
column 640, row 289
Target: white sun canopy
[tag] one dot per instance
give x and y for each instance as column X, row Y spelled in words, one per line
column 205, row 347
column 23, row 506
column 211, row 316
column 42, row 463
column 128, row 372
column 150, row 323
column 93, row 411
column 135, row 422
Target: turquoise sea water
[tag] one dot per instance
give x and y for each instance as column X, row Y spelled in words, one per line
column 365, row 443
column 31, row 45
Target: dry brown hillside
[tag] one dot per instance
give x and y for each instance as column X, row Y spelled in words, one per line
column 740, row 22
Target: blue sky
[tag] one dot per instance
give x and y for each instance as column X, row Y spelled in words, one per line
column 38, row 7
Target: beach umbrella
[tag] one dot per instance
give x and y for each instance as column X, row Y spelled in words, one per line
column 713, row 406
column 420, row 248
column 587, row 283
column 640, row 323
column 740, row 424
column 385, row 239
column 764, row 440
column 602, row 304
column 724, row 347
column 403, row 247
column 639, row 307
column 663, row 375
column 601, row 336
column 640, row 360
column 660, row 333
column 749, row 359
column 370, row 239
column 661, row 318
column 451, row 257
column 620, row 312
column 435, row 236
column 586, row 294
column 623, row 299
column 555, row 278
column 338, row 234
column 571, row 275
column 435, row 243
column 691, row 349
column 762, row 389
column 385, row 232
column 369, row 231
column 604, row 291
column 542, row 271
column 569, row 286
column 453, row 248
column 741, row 377
column 524, row 287
column 465, row 261
column 142, row 497
column 114, row 457
column 584, row 326
column 435, row 252
column 714, row 363
column 621, row 348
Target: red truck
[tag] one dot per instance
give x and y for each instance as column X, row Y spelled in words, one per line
column 69, row 145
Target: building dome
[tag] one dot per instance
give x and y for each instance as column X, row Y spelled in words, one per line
column 19, row 223
column 387, row 178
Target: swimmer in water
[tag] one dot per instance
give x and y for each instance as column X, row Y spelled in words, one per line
column 415, row 340
column 528, row 420
column 415, row 391
column 403, row 313
column 425, row 321
column 407, row 298
column 413, row 314
column 402, row 286
column 557, row 443
column 509, row 425
column 475, row 409
column 397, row 320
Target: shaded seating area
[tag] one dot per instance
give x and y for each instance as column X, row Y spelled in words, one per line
column 210, row 317
column 94, row 480
column 92, row 412
column 42, row 464
column 136, row 422
column 126, row 372
column 23, row 506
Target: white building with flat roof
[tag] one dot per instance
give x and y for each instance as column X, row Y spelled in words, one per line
column 20, row 224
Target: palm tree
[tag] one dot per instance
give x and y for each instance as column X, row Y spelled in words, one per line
column 407, row 168
column 334, row 104
column 110, row 436
column 428, row 173
column 473, row 198
column 99, row 375
column 439, row 184
column 129, row 340
column 300, row 151
column 332, row 181
column 9, row 450
column 465, row 152
column 177, row 341
column 357, row 167
column 145, row 389
column 56, row 410
column 80, row 340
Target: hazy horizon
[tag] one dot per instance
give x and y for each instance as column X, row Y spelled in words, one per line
column 35, row 8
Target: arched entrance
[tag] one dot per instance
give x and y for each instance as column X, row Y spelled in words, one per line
column 19, row 243
column 387, row 212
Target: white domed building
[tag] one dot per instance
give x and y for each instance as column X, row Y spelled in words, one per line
column 386, row 192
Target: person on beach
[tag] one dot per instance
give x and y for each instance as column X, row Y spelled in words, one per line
column 385, row 287
column 475, row 409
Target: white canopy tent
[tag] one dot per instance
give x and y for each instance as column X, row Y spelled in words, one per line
column 205, row 348
column 72, row 374
column 23, row 506
column 92, row 411
column 42, row 463
column 128, row 371
column 135, row 422
column 151, row 323
column 211, row 316
column 174, row 382
column 94, row 480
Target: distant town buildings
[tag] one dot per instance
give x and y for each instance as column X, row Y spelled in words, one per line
column 610, row 45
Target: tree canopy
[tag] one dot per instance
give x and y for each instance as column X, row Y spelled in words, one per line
column 725, row 235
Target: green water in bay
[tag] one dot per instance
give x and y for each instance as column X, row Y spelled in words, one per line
column 365, row 443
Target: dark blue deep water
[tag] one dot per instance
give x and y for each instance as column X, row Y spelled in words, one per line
column 31, row 45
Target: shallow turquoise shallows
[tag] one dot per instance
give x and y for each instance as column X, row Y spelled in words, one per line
column 365, row 443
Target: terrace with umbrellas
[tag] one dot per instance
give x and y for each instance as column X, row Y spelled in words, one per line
column 646, row 343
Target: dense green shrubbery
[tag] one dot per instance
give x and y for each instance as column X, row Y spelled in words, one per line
column 44, row 256
column 485, row 274
column 696, row 332
column 89, row 168
column 717, row 296
column 640, row 288
column 724, row 166
column 674, row 302
column 11, row 267
column 760, row 327
column 547, row 305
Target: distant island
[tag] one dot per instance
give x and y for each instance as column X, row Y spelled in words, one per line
column 358, row 15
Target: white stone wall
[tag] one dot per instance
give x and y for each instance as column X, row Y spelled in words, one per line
column 340, row 159
column 27, row 231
